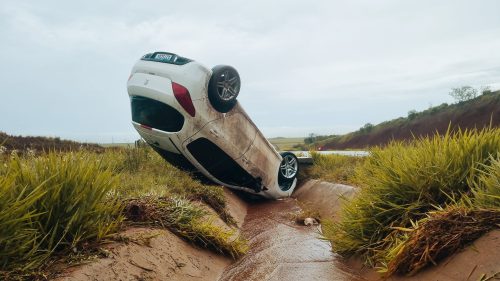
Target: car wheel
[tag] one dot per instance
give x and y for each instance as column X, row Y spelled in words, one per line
column 223, row 87
column 289, row 168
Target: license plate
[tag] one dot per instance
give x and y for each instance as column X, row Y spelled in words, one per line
column 164, row 57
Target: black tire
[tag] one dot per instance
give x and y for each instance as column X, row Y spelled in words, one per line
column 288, row 171
column 224, row 87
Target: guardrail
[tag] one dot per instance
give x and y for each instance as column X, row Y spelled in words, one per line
column 305, row 158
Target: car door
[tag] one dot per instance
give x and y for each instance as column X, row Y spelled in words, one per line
column 233, row 133
column 262, row 160
column 219, row 148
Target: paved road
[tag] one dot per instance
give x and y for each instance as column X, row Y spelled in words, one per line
column 338, row 152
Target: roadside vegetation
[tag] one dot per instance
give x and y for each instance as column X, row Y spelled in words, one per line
column 37, row 145
column 411, row 191
column 58, row 205
column 473, row 109
column 333, row 168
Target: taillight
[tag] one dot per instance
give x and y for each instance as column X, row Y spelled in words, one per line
column 146, row 127
column 184, row 98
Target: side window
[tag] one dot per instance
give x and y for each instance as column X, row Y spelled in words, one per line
column 219, row 164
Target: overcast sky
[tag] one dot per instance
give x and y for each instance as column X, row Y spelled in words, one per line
column 324, row 67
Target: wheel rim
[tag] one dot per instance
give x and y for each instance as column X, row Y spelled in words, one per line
column 288, row 167
column 228, row 85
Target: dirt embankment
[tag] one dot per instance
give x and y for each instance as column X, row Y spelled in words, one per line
column 151, row 255
column 157, row 254
column 479, row 259
column 280, row 249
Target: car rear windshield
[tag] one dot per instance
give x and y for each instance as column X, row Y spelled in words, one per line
column 155, row 114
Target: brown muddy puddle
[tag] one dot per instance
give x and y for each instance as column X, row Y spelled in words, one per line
column 282, row 250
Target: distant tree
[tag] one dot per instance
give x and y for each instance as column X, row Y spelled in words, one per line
column 412, row 114
column 463, row 93
column 485, row 90
column 310, row 139
column 366, row 128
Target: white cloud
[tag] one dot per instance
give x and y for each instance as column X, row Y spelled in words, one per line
column 334, row 65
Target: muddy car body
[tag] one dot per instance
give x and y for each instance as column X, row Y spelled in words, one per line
column 189, row 114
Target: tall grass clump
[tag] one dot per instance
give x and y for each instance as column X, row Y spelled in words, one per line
column 486, row 190
column 52, row 203
column 56, row 203
column 402, row 182
column 187, row 220
column 447, row 230
column 142, row 172
column 441, row 234
column 18, row 233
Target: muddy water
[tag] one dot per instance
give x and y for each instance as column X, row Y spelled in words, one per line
column 283, row 250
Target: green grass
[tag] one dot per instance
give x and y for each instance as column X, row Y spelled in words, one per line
column 486, row 190
column 334, row 168
column 142, row 172
column 53, row 204
column 403, row 182
column 188, row 220
column 120, row 145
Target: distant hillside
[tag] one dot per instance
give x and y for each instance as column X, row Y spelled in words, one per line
column 285, row 143
column 478, row 112
column 40, row 144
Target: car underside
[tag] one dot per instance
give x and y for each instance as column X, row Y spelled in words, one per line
column 190, row 116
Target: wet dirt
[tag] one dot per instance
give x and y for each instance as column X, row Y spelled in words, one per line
column 324, row 197
column 280, row 249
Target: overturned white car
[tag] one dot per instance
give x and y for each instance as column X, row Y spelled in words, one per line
column 190, row 116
